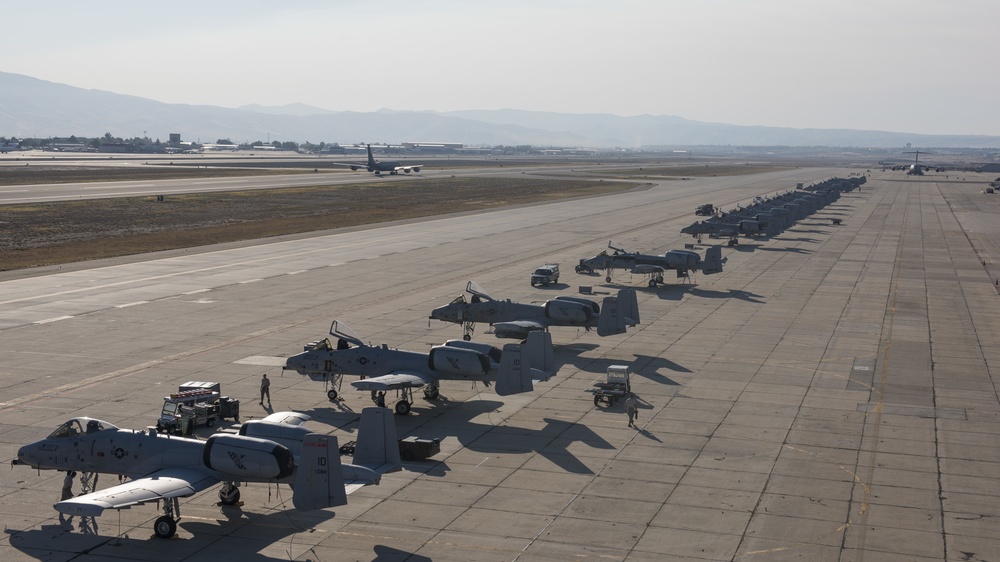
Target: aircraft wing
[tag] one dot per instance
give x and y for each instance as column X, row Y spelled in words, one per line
column 394, row 381
column 167, row 483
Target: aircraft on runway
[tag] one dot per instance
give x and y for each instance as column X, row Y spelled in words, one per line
column 515, row 320
column 275, row 449
column 653, row 265
column 382, row 369
column 916, row 169
column 379, row 166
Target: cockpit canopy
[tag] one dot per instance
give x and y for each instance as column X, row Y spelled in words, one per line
column 79, row 426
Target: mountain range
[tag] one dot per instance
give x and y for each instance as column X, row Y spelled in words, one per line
column 34, row 108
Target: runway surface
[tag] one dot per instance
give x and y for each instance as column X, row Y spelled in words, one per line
column 829, row 396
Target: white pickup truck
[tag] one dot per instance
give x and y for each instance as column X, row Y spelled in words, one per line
column 548, row 273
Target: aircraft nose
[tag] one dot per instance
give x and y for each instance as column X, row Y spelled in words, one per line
column 443, row 313
column 295, row 363
column 25, row 455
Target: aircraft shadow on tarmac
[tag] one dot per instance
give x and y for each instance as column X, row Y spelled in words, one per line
column 730, row 294
column 645, row 364
column 550, row 441
column 787, row 250
column 276, row 526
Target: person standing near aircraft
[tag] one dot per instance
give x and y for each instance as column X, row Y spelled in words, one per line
column 67, row 489
column 632, row 409
column 265, row 390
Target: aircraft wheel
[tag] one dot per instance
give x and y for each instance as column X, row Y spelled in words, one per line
column 432, row 394
column 402, row 408
column 231, row 498
column 466, row 337
column 608, row 278
column 165, row 527
column 332, row 395
column 652, row 283
column 597, row 400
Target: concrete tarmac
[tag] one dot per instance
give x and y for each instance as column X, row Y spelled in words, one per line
column 829, row 396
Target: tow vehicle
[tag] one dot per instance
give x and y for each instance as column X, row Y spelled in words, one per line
column 615, row 386
column 195, row 404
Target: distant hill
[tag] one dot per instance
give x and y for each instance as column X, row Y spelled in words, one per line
column 30, row 107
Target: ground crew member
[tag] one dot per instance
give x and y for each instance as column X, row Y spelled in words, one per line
column 67, row 489
column 265, row 390
column 632, row 409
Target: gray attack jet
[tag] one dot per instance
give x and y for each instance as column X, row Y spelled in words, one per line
column 516, row 320
column 653, row 265
column 514, row 369
column 718, row 229
column 379, row 166
column 275, row 449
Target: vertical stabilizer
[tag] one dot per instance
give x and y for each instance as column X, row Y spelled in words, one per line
column 378, row 446
column 319, row 480
column 617, row 313
column 713, row 260
column 371, row 159
column 537, row 352
column 514, row 374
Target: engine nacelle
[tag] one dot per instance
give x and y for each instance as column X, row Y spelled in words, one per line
column 490, row 351
column 749, row 227
column 407, row 170
column 248, row 458
column 354, row 168
column 370, row 169
column 563, row 310
column 457, row 361
column 416, row 168
column 682, row 259
column 282, row 433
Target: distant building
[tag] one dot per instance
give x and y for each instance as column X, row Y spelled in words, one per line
column 443, row 147
column 116, row 147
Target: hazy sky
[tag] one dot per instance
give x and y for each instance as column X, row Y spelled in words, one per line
column 905, row 66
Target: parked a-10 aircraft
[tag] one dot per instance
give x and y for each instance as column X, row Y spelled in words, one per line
column 275, row 449
column 379, row 166
column 653, row 265
column 382, row 368
column 516, row 320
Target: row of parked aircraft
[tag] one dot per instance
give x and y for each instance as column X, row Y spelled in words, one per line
column 769, row 216
column 277, row 449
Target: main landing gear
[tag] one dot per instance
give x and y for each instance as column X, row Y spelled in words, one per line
column 165, row 526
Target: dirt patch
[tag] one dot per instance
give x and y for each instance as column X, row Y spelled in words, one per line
column 63, row 232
